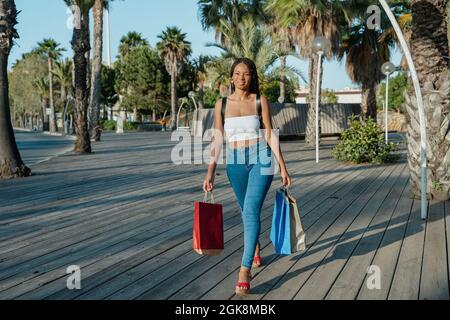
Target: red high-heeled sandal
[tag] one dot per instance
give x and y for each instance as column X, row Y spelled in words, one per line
column 243, row 288
column 257, row 261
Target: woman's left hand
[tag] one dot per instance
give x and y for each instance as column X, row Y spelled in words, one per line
column 285, row 178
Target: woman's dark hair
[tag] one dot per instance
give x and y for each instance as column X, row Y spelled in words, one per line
column 254, row 82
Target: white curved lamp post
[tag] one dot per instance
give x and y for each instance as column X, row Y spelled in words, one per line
column 321, row 46
column 422, row 119
column 387, row 68
column 183, row 102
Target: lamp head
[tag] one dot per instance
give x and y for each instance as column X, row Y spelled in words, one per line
column 321, row 45
column 191, row 94
column 388, row 68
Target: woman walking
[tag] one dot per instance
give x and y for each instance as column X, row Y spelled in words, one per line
column 249, row 165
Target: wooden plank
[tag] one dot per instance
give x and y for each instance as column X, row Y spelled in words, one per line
column 339, row 245
column 387, row 254
column 434, row 278
column 279, row 282
column 406, row 281
column 352, row 276
column 168, row 271
column 194, row 291
column 88, row 213
column 96, row 277
column 447, row 229
column 270, row 275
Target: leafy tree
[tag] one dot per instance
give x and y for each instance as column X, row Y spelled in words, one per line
column 22, row 84
column 397, row 87
column 142, row 80
column 272, row 91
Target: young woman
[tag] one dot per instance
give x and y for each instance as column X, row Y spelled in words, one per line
column 249, row 168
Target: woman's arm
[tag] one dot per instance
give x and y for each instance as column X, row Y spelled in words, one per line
column 273, row 140
column 216, row 147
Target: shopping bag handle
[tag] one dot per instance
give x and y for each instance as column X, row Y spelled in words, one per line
column 286, row 190
column 206, row 197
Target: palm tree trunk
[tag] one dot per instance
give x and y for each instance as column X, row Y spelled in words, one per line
column 80, row 45
column 44, row 113
column 283, row 81
column 96, row 67
column 369, row 101
column 53, row 127
column 310, row 135
column 430, row 50
column 63, row 102
column 201, row 96
column 173, row 88
column 11, row 164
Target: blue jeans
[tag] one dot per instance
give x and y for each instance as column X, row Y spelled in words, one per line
column 250, row 172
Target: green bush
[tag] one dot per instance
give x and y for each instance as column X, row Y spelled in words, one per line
column 108, row 125
column 127, row 126
column 112, row 125
column 364, row 143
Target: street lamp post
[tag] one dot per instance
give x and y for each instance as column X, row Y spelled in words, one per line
column 420, row 107
column 108, row 38
column 191, row 95
column 183, row 102
column 66, row 127
column 321, row 46
column 387, row 68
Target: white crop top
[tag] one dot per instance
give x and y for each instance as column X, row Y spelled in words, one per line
column 242, row 128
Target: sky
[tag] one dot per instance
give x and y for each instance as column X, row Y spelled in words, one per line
column 49, row 18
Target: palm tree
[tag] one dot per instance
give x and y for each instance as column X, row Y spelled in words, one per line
column 430, row 52
column 63, row 75
column 365, row 54
column 42, row 88
column 96, row 85
column 80, row 45
column 11, row 164
column 218, row 73
column 52, row 51
column 200, row 67
column 131, row 40
column 402, row 11
column 284, row 45
column 254, row 43
column 174, row 50
column 215, row 14
column 308, row 20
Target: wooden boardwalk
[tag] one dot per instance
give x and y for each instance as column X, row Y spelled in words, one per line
column 124, row 216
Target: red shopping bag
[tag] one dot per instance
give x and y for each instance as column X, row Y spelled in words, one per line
column 208, row 228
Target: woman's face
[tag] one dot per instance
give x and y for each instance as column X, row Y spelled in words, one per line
column 242, row 77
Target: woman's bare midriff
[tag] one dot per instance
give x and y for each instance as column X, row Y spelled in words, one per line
column 243, row 143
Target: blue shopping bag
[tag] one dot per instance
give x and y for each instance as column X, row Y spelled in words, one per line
column 287, row 233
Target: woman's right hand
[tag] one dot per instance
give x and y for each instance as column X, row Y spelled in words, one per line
column 208, row 183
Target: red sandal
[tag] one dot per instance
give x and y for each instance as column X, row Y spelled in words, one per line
column 243, row 288
column 257, row 261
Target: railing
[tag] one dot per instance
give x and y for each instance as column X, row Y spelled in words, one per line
column 289, row 118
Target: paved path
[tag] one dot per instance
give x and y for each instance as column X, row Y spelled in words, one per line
column 36, row 147
column 124, row 216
